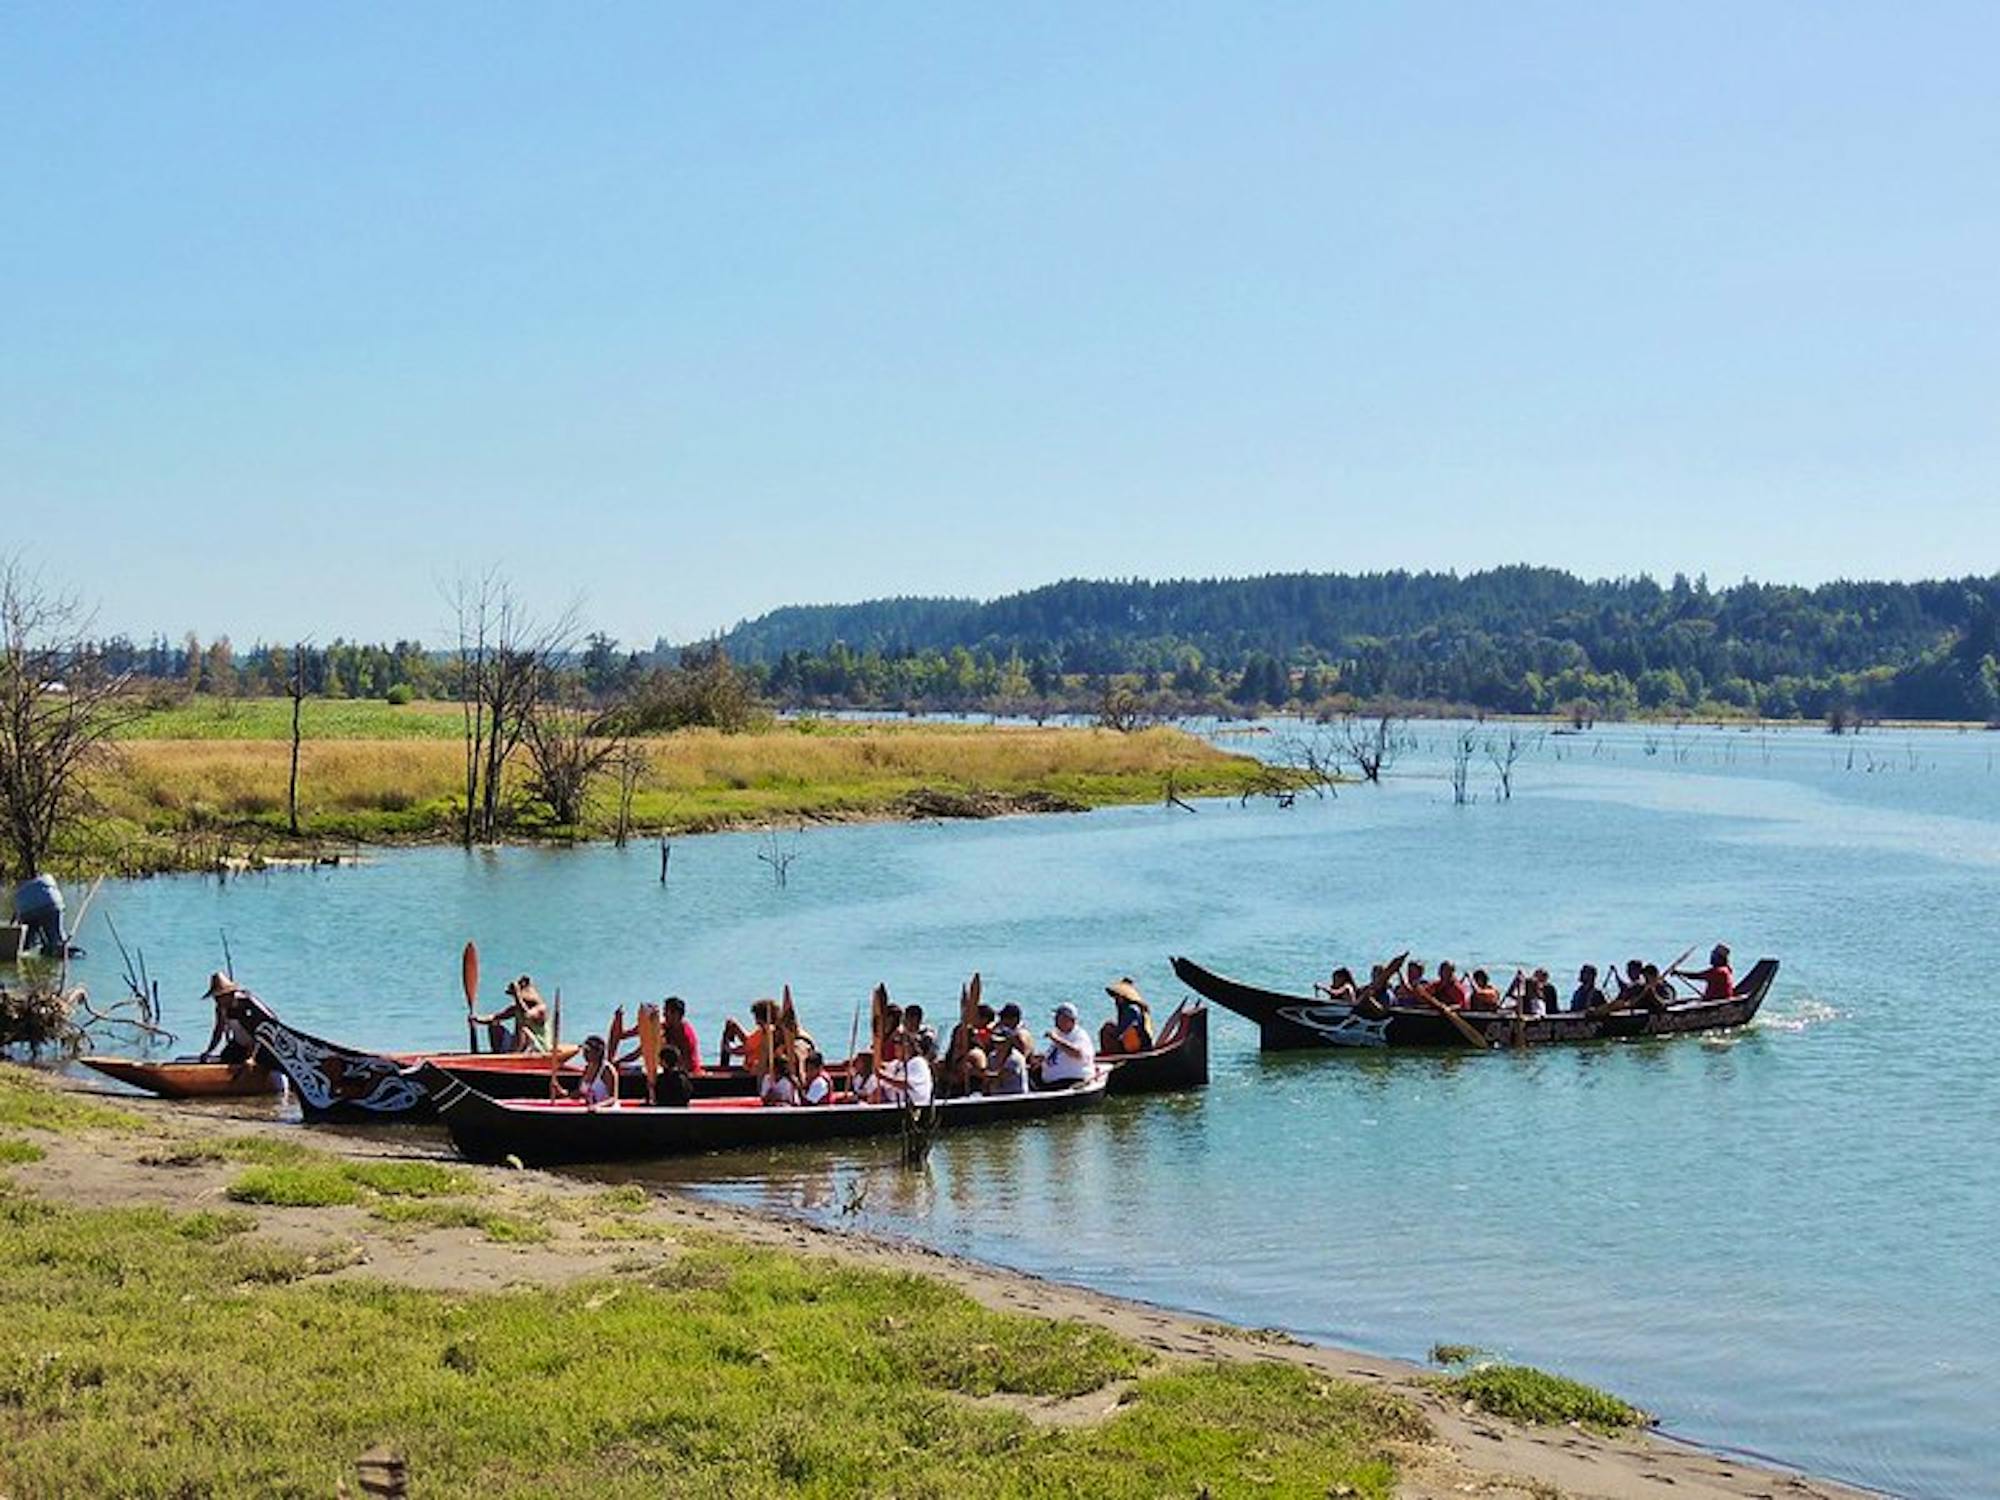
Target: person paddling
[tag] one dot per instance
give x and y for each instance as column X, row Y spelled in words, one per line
column 1718, row 980
column 1071, row 1058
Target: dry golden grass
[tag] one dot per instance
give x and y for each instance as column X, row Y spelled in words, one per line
column 696, row 778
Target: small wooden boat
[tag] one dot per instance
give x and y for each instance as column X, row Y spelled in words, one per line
column 188, row 1078
column 1289, row 1022
column 539, row 1132
column 1178, row 1058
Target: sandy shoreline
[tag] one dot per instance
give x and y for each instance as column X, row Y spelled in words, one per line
column 1472, row 1453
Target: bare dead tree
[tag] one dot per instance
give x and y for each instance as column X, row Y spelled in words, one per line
column 1371, row 744
column 570, row 745
column 473, row 602
column 779, row 853
column 505, row 661
column 59, row 707
column 295, row 689
column 629, row 765
column 1463, row 746
column 1505, row 751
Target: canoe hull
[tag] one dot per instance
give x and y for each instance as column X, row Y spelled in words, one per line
column 1181, row 1062
column 188, row 1080
column 1288, row 1023
column 543, row 1134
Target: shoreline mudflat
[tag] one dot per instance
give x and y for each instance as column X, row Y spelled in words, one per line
column 176, row 1158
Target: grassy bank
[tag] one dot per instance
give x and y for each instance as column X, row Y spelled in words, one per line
column 183, row 798
column 159, row 1352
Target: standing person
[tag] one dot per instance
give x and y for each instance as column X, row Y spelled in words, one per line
column 529, row 1015
column 38, row 906
column 1586, row 995
column 232, row 1040
column 1718, row 980
column 1071, row 1058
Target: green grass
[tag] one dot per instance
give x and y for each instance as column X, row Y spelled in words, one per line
column 307, row 1185
column 31, row 1101
column 140, row 1356
column 1522, row 1393
column 292, row 1176
column 15, row 1153
column 209, row 718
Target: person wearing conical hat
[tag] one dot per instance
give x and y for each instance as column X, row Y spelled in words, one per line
column 1132, row 1030
column 232, row 1040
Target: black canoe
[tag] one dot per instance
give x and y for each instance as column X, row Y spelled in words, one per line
column 336, row 1084
column 1289, row 1022
column 1178, row 1059
column 542, row 1133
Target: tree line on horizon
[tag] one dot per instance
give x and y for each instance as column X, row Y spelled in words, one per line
column 1508, row 640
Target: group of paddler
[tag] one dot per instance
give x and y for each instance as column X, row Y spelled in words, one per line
column 989, row 1050
column 1530, row 994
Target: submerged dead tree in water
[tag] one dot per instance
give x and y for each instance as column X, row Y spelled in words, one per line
column 1371, row 744
column 59, row 708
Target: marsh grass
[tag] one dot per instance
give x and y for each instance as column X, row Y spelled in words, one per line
column 16, row 1153
column 384, row 788
column 149, row 1354
column 1521, row 1393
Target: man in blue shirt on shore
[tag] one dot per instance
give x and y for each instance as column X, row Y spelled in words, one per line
column 38, row 906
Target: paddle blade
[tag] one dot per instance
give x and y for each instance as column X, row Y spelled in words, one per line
column 468, row 972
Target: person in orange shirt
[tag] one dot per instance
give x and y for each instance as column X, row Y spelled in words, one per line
column 1718, row 980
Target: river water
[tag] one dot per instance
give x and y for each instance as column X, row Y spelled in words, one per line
column 1779, row 1240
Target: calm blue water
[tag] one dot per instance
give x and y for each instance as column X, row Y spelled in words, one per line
column 1778, row 1240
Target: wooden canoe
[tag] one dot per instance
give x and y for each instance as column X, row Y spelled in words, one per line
column 538, row 1132
column 1177, row 1060
column 1290, row 1022
column 188, row 1078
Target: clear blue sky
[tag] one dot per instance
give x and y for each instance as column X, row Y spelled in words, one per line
column 695, row 310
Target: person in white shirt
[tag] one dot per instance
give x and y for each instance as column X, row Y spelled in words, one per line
column 905, row 1077
column 817, row 1087
column 1071, row 1058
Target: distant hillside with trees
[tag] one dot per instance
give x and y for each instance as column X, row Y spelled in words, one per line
column 1511, row 640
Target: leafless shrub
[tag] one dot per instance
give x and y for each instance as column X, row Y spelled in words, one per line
column 59, row 707
column 1371, row 744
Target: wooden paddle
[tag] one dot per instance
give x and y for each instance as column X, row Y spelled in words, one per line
column 555, row 1044
column 649, row 1049
column 468, row 977
column 1466, row 1029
